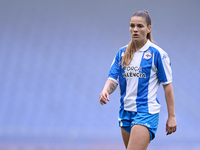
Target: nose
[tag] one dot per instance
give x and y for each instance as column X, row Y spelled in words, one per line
column 135, row 29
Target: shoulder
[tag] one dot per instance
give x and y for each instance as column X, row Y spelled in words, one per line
column 158, row 50
column 121, row 51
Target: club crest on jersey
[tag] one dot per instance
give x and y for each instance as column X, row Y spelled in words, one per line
column 147, row 55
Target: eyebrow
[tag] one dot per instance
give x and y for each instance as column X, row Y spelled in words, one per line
column 136, row 24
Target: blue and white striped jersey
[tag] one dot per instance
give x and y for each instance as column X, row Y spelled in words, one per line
column 139, row 82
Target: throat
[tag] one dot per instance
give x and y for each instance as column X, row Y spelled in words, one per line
column 139, row 44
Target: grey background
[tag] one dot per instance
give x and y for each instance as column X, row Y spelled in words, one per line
column 54, row 61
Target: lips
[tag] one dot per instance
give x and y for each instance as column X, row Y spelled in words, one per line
column 135, row 35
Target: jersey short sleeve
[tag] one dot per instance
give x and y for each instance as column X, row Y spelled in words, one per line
column 164, row 71
column 115, row 66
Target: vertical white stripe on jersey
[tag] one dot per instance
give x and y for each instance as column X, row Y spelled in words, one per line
column 130, row 103
column 167, row 67
column 132, row 89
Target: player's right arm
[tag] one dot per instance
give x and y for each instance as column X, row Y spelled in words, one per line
column 109, row 88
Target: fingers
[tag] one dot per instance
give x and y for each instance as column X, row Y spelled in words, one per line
column 170, row 130
column 102, row 102
column 103, row 98
column 171, row 125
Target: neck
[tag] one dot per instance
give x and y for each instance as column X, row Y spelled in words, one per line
column 139, row 44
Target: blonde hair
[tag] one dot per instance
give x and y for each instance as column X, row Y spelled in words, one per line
column 130, row 50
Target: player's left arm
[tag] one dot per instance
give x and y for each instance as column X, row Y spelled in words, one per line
column 171, row 125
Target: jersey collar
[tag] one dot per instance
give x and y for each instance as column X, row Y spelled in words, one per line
column 146, row 46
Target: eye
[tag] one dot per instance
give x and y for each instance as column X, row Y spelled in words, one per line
column 132, row 25
column 140, row 25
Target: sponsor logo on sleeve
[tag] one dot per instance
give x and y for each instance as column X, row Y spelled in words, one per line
column 164, row 56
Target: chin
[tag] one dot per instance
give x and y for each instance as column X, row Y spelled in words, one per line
column 136, row 39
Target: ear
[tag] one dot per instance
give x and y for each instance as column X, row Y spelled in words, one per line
column 149, row 28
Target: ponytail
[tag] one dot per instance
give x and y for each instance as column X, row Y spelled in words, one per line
column 128, row 55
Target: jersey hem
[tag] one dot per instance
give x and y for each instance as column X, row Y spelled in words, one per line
column 165, row 83
column 151, row 112
column 113, row 80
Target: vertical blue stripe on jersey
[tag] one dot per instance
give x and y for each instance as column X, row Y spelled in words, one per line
column 114, row 69
column 159, row 65
column 122, row 88
column 116, row 72
column 142, row 93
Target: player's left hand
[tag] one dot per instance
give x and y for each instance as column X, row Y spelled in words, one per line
column 171, row 125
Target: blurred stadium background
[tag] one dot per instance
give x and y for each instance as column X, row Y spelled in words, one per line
column 54, row 60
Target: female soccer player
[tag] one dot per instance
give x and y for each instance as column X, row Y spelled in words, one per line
column 139, row 68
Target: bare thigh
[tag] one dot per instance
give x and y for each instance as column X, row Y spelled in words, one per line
column 139, row 138
column 125, row 136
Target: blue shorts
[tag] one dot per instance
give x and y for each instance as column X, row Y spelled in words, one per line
column 128, row 119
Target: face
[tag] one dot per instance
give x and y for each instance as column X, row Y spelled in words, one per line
column 139, row 29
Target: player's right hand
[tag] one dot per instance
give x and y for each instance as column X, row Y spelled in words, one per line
column 103, row 97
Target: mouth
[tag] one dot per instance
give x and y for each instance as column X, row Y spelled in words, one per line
column 135, row 36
